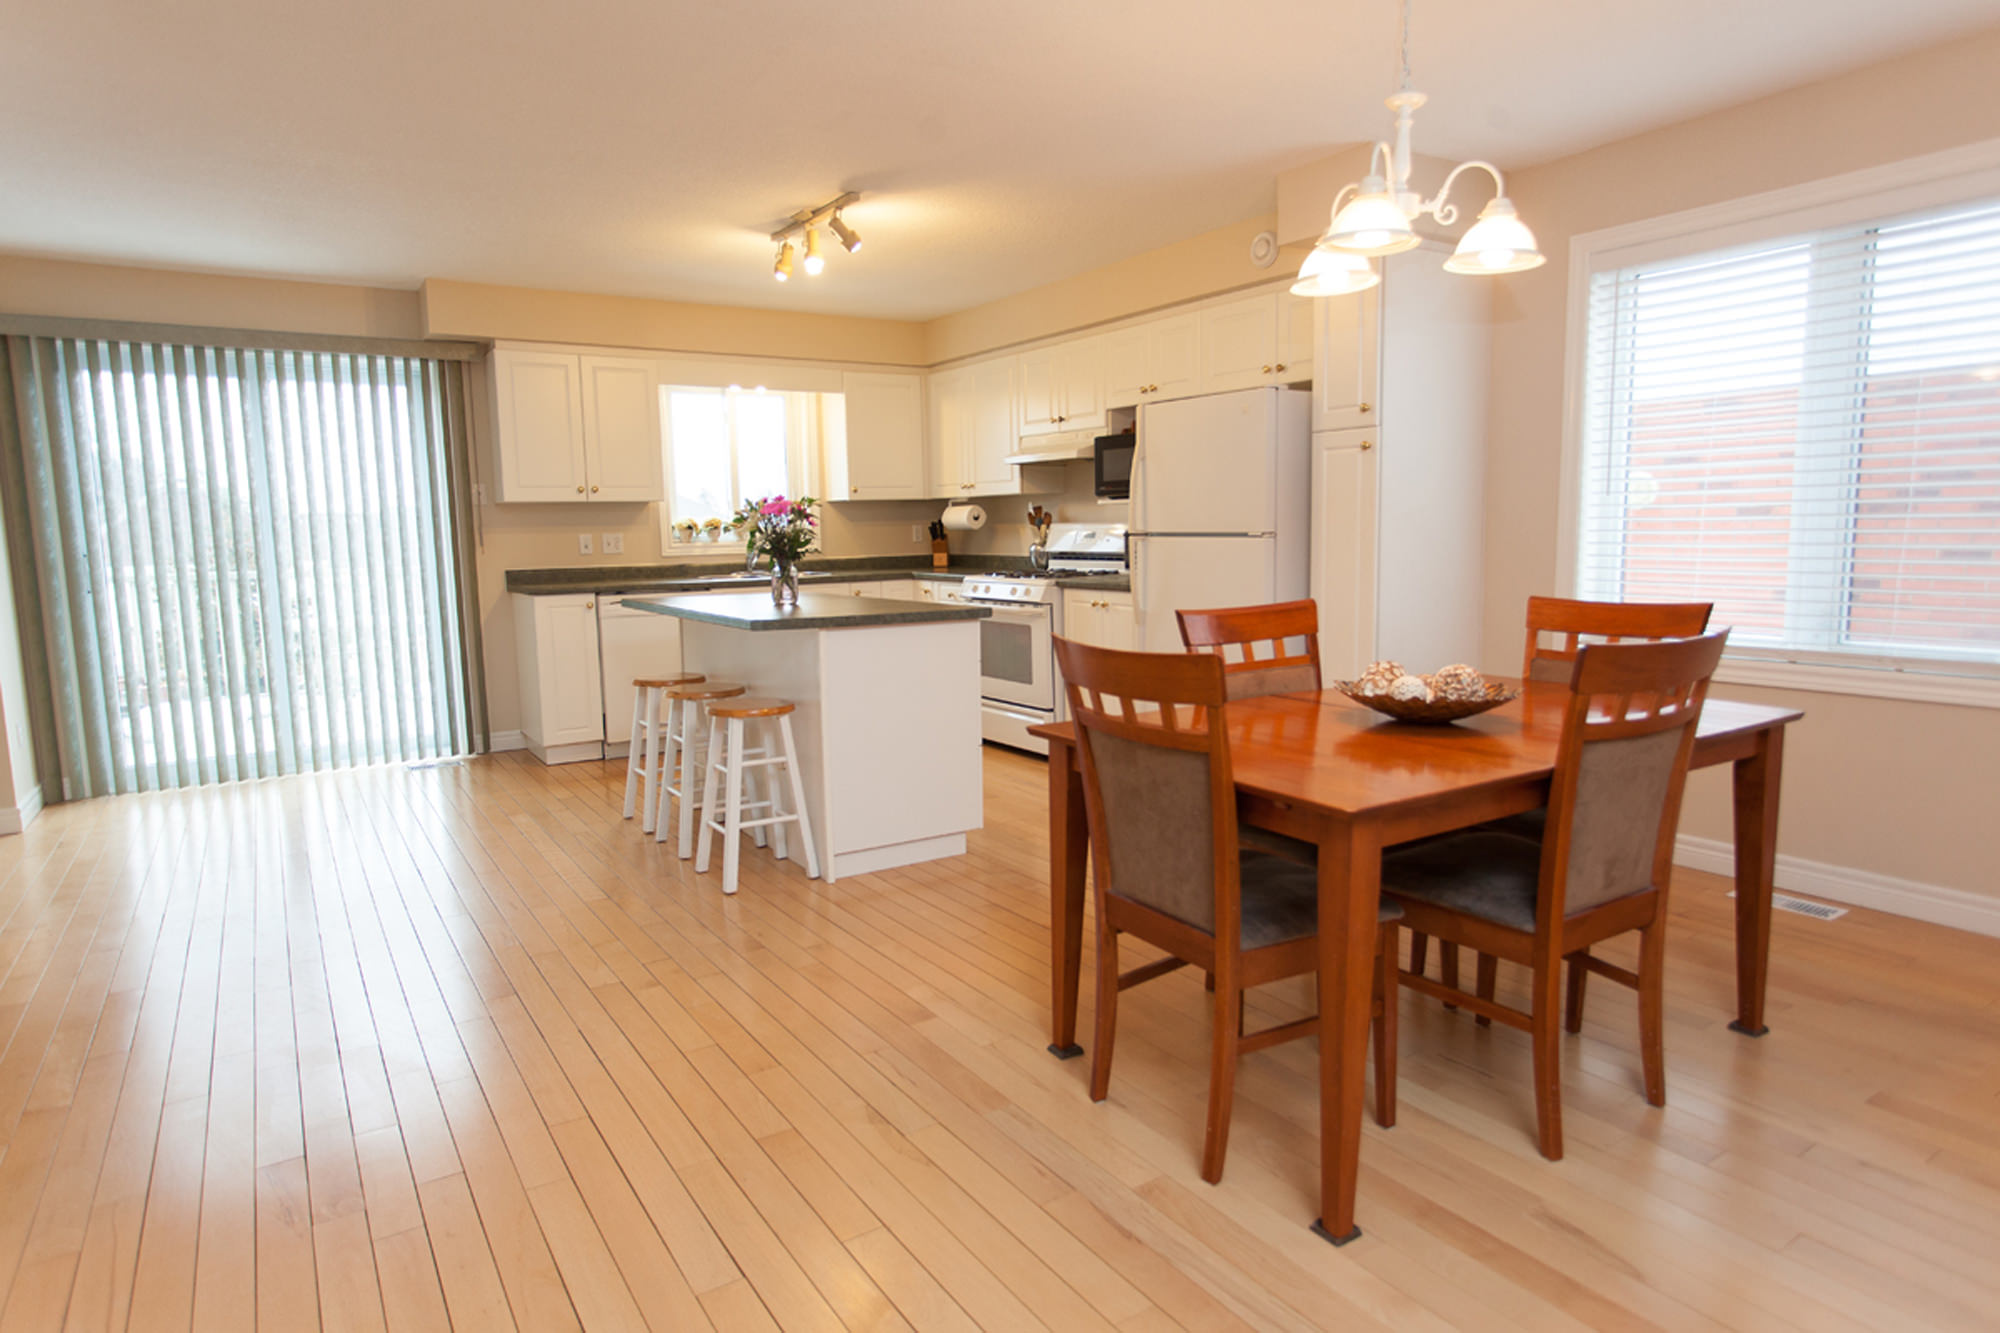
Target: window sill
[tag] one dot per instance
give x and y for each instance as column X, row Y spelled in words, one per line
column 1876, row 682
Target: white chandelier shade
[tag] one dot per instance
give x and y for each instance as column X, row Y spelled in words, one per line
column 1334, row 273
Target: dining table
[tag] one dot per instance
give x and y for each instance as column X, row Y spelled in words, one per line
column 1320, row 767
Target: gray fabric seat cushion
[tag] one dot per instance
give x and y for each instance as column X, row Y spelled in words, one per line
column 1276, row 844
column 1281, row 900
column 1493, row 876
column 1530, row 824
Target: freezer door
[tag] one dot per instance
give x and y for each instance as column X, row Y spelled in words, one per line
column 1207, row 464
column 1186, row 573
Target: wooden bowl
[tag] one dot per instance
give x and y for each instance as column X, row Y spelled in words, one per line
column 1437, row 711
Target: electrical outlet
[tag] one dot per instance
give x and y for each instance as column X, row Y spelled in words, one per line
column 583, row 543
column 614, row 543
column 916, row 532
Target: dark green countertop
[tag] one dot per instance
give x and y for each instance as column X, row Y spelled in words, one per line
column 756, row 611
column 712, row 576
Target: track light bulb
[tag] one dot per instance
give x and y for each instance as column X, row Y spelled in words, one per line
column 850, row 239
column 815, row 261
column 782, row 270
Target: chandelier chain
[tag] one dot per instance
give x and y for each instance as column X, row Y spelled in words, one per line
column 1406, row 45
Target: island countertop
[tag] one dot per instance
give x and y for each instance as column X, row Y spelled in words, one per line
column 756, row 611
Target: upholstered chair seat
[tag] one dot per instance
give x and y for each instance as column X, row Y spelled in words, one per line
column 1281, row 900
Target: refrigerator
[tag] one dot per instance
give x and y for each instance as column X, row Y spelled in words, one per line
column 1221, row 506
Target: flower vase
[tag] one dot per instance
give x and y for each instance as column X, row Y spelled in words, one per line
column 784, row 583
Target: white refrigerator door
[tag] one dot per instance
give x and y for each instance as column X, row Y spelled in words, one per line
column 1207, row 464
column 1172, row 574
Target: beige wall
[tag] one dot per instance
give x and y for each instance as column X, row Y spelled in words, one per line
column 1899, row 789
column 66, row 290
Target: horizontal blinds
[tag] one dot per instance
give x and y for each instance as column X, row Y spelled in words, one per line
column 244, row 558
column 1807, row 433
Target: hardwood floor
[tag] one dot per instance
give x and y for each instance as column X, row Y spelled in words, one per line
column 403, row 1049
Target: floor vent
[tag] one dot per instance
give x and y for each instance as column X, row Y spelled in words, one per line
column 1784, row 902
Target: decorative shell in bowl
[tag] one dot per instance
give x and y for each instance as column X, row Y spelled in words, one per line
column 1446, row 695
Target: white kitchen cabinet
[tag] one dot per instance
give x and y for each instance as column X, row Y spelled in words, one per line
column 939, row 590
column 1253, row 341
column 630, row 644
column 569, row 427
column 1398, row 501
column 1062, row 387
column 1101, row 619
column 877, row 450
column 1346, row 357
column 562, row 701
column 972, row 431
column 1160, row 358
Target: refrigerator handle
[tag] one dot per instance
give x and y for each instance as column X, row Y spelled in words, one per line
column 1136, row 483
column 1135, row 567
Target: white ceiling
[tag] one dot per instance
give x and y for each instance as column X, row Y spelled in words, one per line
column 647, row 147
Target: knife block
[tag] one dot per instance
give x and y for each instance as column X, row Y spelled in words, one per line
column 940, row 553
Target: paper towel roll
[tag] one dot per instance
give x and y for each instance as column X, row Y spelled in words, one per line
column 964, row 517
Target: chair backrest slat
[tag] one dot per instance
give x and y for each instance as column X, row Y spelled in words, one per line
column 1276, row 647
column 1157, row 781
column 1572, row 622
column 1621, row 768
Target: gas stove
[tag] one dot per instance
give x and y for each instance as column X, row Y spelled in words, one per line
column 1076, row 550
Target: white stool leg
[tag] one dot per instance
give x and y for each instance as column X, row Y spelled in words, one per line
column 798, row 795
column 670, row 748
column 772, row 786
column 757, row 788
column 709, row 791
column 653, row 749
column 694, row 769
column 632, row 758
column 732, row 819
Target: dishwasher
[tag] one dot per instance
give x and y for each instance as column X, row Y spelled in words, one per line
column 630, row 644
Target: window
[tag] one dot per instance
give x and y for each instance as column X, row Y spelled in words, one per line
column 724, row 446
column 1805, row 431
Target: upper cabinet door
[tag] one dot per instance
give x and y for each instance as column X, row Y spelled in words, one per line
column 1079, row 371
column 1239, row 344
column 1346, row 343
column 1296, row 317
column 538, row 426
column 944, row 430
column 621, row 428
column 1128, row 364
column 1173, row 356
column 884, row 454
column 1039, row 394
column 988, row 428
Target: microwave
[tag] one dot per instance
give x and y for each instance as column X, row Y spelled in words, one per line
column 1114, row 465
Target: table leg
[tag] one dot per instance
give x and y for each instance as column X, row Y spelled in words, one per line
column 1755, row 781
column 1350, row 889
column 1069, row 841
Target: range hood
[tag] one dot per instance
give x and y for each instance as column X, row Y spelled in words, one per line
column 1064, row 447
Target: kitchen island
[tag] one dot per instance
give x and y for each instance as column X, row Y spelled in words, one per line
column 887, row 726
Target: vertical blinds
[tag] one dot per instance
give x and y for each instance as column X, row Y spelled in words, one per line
column 244, row 558
column 1807, row 433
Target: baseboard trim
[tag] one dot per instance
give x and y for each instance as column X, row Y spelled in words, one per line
column 506, row 740
column 1857, row 888
column 15, row 818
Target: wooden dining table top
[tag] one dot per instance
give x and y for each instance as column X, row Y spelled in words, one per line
column 1325, row 750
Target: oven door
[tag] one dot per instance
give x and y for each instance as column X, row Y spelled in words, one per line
column 1016, row 657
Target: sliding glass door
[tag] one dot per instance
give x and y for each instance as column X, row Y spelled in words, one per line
column 244, row 559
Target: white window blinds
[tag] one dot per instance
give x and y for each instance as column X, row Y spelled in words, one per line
column 1807, row 433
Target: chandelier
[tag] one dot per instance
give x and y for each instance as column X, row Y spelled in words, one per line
column 1377, row 216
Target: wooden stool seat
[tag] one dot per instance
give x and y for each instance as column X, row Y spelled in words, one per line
column 705, row 690
column 667, row 682
column 752, row 707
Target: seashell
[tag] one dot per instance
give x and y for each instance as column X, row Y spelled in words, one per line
column 1411, row 689
column 1457, row 681
column 1379, row 677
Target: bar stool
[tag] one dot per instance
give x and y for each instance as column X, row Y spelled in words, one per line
column 733, row 768
column 687, row 738
column 646, row 696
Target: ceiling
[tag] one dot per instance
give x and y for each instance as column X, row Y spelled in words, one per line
column 648, row 147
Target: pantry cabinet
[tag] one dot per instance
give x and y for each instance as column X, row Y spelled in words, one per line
column 875, row 445
column 1346, row 357
column 574, row 427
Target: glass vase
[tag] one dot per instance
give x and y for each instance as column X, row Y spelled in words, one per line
column 784, row 583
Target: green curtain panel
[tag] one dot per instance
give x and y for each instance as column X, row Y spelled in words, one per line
column 241, row 562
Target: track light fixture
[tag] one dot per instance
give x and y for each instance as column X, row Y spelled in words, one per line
column 804, row 227
column 850, row 239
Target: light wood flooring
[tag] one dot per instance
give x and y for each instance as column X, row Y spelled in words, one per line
column 456, row 1046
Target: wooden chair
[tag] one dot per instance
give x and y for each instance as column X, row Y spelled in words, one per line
column 1600, row 870
column 1276, row 669
column 1169, row 870
column 1570, row 622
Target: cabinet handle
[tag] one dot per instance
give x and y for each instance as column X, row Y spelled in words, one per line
column 579, row 490
column 590, row 606
column 1368, row 407
column 593, row 490
column 1367, row 445
column 1267, row 370
column 1280, row 366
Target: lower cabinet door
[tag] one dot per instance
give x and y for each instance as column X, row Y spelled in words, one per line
column 571, row 683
